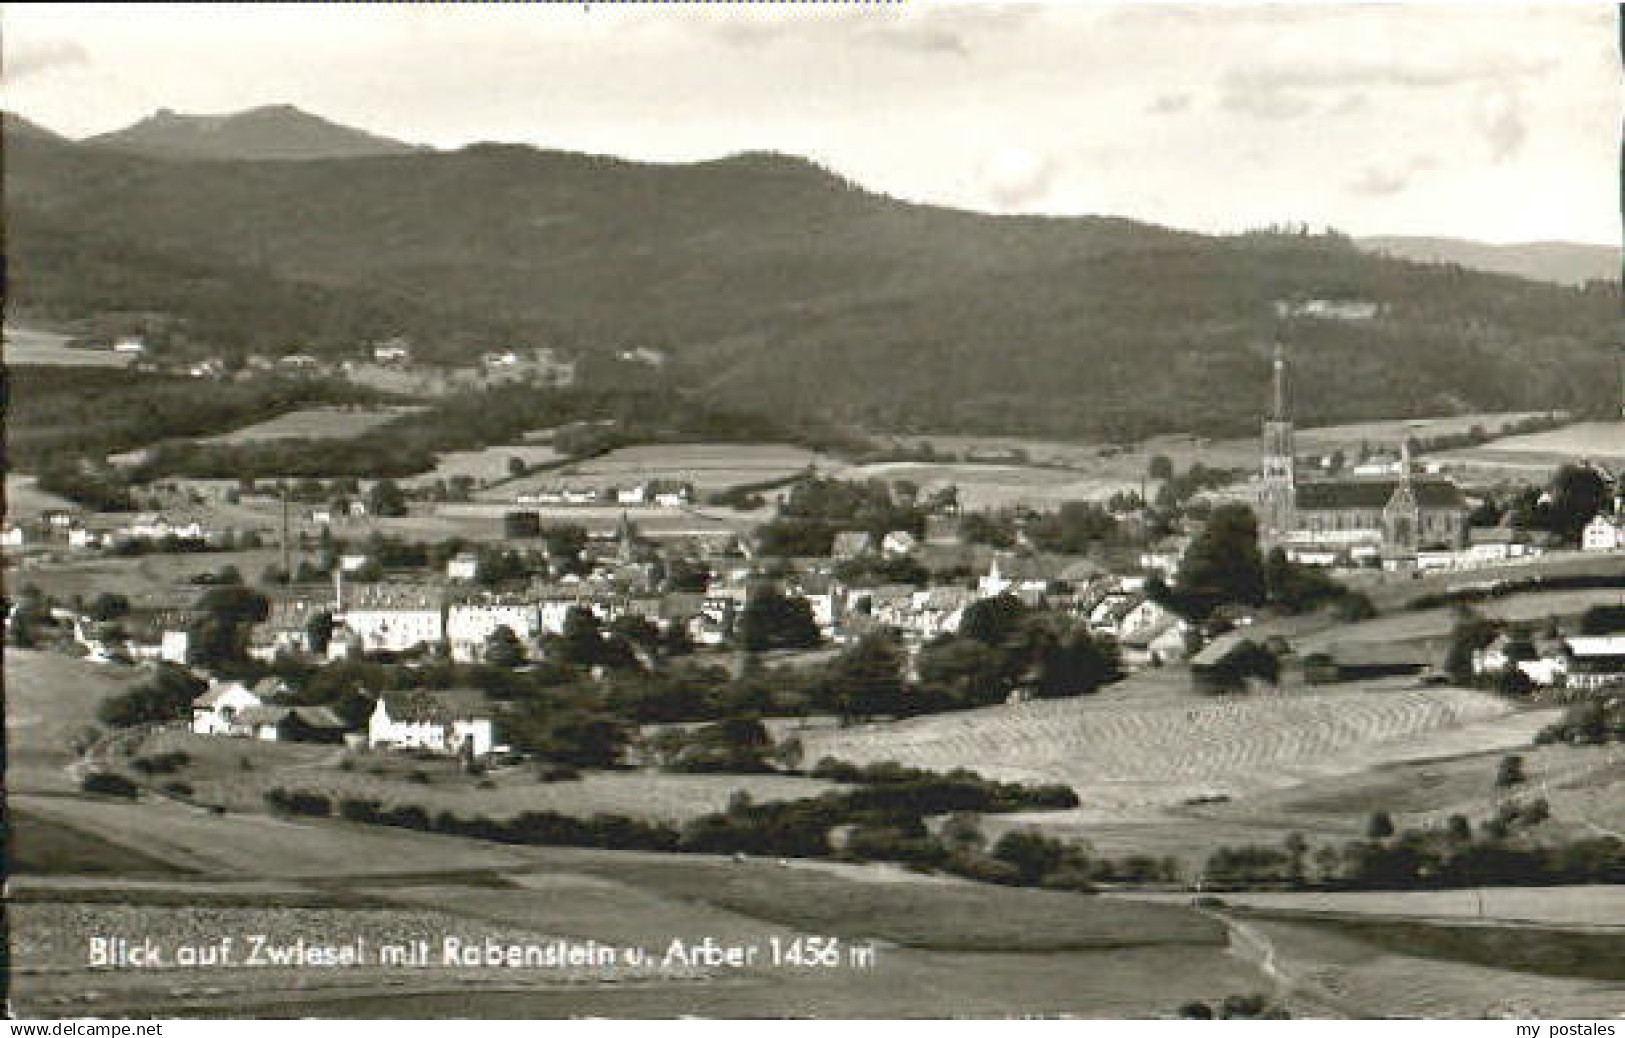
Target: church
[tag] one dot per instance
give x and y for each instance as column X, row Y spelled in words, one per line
column 1349, row 520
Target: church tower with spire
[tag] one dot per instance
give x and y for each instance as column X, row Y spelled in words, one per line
column 1277, row 498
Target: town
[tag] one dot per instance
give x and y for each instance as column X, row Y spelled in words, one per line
column 988, row 559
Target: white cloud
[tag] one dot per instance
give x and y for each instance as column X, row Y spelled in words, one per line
column 31, row 57
column 1016, row 178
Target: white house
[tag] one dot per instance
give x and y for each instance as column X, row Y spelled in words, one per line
column 173, row 646
column 470, row 625
column 643, row 355
column 464, row 565
column 632, row 495
column 350, row 562
column 395, row 628
column 898, row 542
column 216, row 712
column 1603, row 533
column 80, row 537
column 443, row 722
column 1596, row 661
column 130, row 345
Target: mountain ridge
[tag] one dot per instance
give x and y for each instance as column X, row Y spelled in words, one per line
column 1560, row 262
column 268, row 132
column 780, row 286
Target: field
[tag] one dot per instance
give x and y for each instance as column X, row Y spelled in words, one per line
column 1433, row 624
column 333, row 881
column 1401, row 969
column 484, row 521
column 997, row 486
column 219, row 779
column 709, row 466
column 24, row 500
column 486, row 465
column 1582, row 907
column 1130, row 756
column 50, row 699
column 1597, row 441
column 149, row 581
column 35, row 346
column 1100, row 463
column 313, row 423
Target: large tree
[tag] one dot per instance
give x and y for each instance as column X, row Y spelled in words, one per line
column 774, row 620
column 1222, row 566
column 867, row 679
column 230, row 611
column 1578, row 492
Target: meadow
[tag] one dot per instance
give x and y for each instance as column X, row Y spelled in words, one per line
column 487, row 465
column 1434, row 624
column 219, row 777
column 25, row 500
column 1597, row 441
column 37, row 346
column 51, row 700
column 709, row 466
column 149, row 581
column 314, row 423
column 986, row 485
column 1584, row 907
column 1130, row 758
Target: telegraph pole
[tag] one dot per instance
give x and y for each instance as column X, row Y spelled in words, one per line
column 287, row 546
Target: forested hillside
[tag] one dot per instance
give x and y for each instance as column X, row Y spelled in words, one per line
column 779, row 287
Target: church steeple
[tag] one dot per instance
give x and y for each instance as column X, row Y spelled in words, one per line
column 1278, row 498
column 1278, row 396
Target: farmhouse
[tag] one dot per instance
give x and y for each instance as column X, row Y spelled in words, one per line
column 1360, row 518
column 1583, row 662
column 465, row 565
column 898, row 542
column 1596, row 661
column 215, row 711
column 1603, row 533
column 1165, row 641
column 1165, row 555
column 456, row 723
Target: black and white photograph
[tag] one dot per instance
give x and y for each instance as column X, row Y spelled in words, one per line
column 823, row 511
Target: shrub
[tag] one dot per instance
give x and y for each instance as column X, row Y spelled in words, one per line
column 1510, row 773
column 355, row 809
column 557, row 773
column 1068, row 878
column 180, row 789
column 108, row 783
column 986, row 870
column 163, row 763
column 299, row 802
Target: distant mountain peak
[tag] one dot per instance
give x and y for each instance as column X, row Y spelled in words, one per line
column 274, row 131
column 1563, row 263
column 12, row 124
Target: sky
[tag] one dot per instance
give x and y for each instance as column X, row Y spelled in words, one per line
column 1493, row 121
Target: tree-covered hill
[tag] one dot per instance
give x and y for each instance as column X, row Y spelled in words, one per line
column 776, row 286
